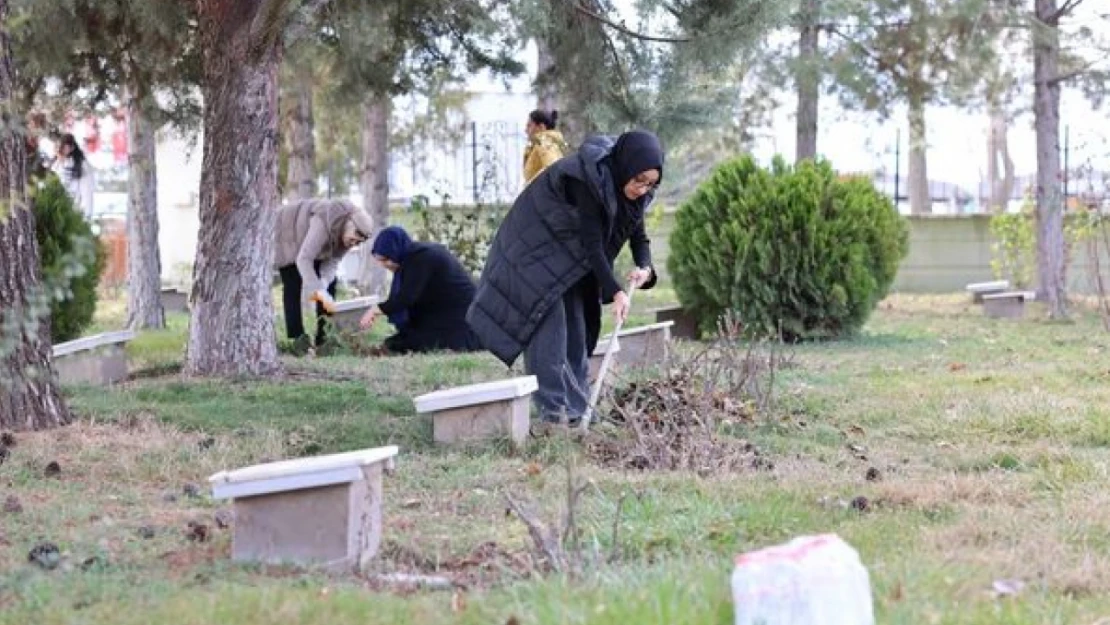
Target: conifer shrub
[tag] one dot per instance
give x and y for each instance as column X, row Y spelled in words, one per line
column 65, row 237
column 796, row 252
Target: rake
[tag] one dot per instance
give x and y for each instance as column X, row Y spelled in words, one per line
column 599, row 383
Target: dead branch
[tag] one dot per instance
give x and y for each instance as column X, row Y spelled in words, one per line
column 545, row 541
column 626, row 30
column 570, row 523
column 1063, row 11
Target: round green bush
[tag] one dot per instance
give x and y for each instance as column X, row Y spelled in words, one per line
column 791, row 252
column 69, row 269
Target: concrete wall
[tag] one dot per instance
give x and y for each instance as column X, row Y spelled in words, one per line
column 949, row 251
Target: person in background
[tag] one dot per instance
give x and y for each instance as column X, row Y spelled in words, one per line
column 545, row 144
column 76, row 173
column 428, row 298
column 550, row 265
column 311, row 237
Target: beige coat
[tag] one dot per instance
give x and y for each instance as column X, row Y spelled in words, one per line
column 312, row 230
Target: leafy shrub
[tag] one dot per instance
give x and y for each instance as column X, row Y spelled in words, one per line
column 1013, row 251
column 62, row 233
column 791, row 251
column 465, row 230
column 1014, row 241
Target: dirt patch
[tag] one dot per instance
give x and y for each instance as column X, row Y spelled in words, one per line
column 185, row 561
column 933, row 493
column 675, row 424
column 489, row 564
column 308, row 374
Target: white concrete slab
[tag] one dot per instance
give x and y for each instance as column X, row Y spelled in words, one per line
column 286, row 483
column 651, row 327
column 297, row 473
column 358, row 303
column 474, row 394
column 988, row 287
column 90, row 342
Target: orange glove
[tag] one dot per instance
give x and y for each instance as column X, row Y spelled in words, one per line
column 324, row 298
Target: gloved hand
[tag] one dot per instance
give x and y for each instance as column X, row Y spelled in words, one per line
column 325, row 300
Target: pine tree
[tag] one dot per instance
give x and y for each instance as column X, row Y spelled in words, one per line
column 917, row 53
column 127, row 51
column 668, row 72
column 29, row 396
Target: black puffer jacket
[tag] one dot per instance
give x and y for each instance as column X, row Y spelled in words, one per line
column 538, row 251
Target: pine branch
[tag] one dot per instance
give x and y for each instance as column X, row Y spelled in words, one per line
column 301, row 24
column 880, row 63
column 625, row 30
column 1064, row 11
column 1073, row 74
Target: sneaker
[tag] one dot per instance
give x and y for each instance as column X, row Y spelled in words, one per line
column 547, row 427
column 301, row 346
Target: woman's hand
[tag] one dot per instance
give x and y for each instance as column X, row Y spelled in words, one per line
column 638, row 277
column 621, row 304
column 369, row 318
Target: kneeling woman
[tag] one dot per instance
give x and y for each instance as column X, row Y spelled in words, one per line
column 428, row 299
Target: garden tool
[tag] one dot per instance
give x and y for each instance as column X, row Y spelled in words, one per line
column 599, row 383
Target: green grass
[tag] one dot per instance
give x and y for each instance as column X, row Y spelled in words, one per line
column 990, row 437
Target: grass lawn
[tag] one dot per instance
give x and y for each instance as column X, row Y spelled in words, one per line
column 989, row 440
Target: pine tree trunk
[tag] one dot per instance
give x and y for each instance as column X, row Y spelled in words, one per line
column 1007, row 167
column 994, row 201
column 920, row 198
column 808, row 79
column 29, row 398
column 231, row 331
column 1050, row 207
column 545, row 77
column 301, row 178
column 374, row 184
column 1000, row 165
column 144, row 264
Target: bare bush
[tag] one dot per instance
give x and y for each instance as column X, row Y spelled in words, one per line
column 686, row 419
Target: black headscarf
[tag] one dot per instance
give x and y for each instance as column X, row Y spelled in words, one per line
column 634, row 153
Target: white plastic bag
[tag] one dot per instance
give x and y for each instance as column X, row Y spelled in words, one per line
column 811, row 580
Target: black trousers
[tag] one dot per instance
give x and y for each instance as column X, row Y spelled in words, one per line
column 557, row 356
column 291, row 286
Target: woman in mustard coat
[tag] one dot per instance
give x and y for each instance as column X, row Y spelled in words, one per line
column 545, row 144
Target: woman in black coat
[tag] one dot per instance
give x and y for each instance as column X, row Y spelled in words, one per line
column 550, row 266
column 428, row 299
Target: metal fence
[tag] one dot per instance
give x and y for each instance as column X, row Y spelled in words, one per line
column 484, row 167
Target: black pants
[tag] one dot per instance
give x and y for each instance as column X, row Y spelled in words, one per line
column 291, row 286
column 557, row 356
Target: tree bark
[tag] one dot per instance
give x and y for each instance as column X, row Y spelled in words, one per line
column 808, row 82
column 920, row 198
column 300, row 180
column 546, row 78
column 1050, row 206
column 373, row 183
column 29, row 397
column 231, row 331
column 1000, row 166
column 144, row 263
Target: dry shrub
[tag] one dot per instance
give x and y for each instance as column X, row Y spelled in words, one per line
column 685, row 420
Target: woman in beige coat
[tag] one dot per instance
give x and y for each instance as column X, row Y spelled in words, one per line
column 311, row 238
